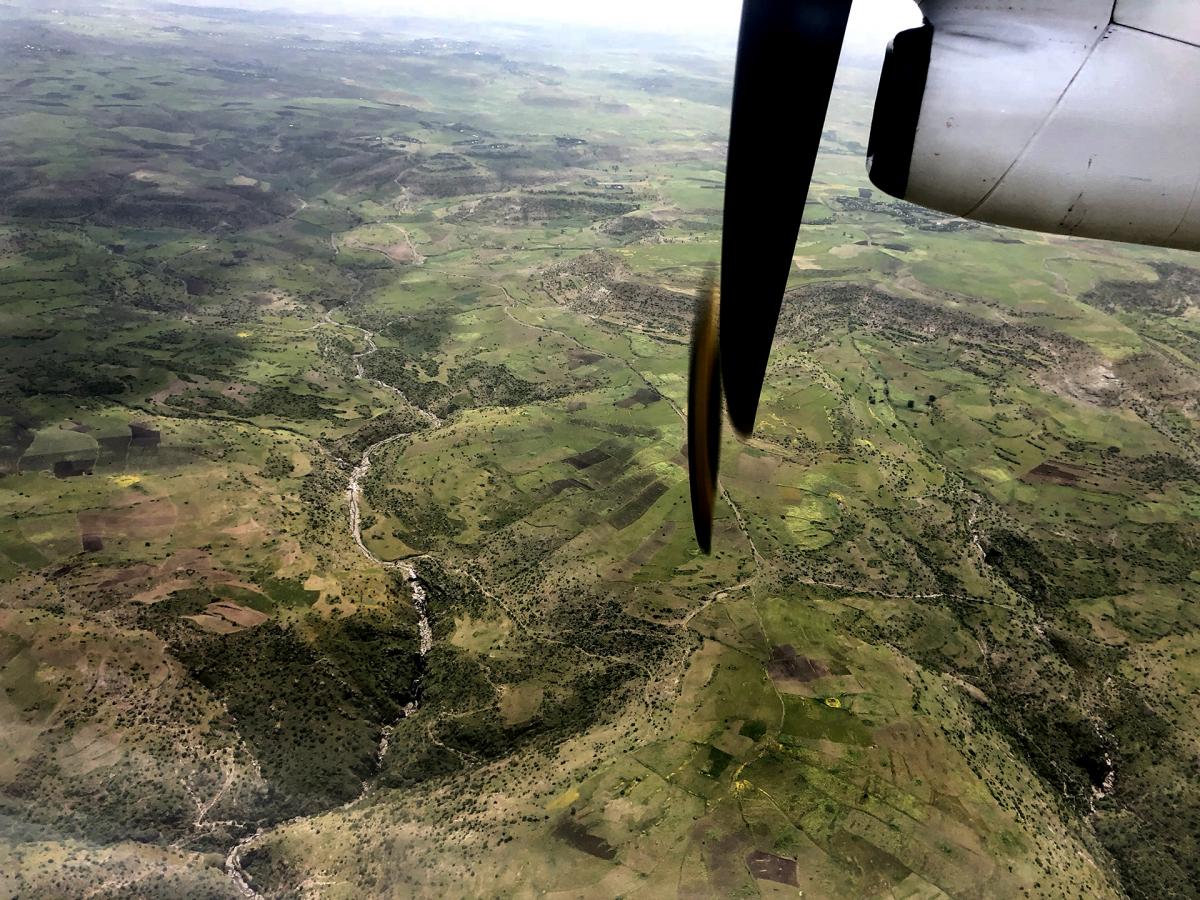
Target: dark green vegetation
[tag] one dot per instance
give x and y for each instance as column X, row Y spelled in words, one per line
column 310, row 701
column 947, row 643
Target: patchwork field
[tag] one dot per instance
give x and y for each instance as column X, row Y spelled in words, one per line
column 256, row 266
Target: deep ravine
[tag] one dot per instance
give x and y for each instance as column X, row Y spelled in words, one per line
column 233, row 859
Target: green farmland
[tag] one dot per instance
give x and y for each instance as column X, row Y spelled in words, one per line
column 948, row 642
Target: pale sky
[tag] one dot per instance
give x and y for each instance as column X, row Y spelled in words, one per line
column 872, row 23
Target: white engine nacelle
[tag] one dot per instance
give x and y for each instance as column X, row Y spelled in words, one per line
column 1064, row 116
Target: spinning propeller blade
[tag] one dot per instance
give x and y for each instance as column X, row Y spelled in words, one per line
column 704, row 413
column 773, row 141
column 773, row 144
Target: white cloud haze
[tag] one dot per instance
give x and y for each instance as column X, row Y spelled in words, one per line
column 872, row 23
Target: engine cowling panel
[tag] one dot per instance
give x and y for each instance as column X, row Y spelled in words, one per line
column 1046, row 116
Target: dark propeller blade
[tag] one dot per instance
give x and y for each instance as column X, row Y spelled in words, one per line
column 704, row 414
column 787, row 58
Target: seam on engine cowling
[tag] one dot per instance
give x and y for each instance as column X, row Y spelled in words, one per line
column 1167, row 37
column 1187, row 210
column 1041, row 125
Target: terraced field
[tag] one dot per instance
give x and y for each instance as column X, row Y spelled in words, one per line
column 345, row 548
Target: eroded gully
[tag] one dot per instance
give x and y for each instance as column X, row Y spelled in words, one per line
column 233, row 860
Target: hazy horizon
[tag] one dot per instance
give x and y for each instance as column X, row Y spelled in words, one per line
column 872, row 22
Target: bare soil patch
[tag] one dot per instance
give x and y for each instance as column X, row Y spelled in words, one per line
column 1052, row 473
column 400, row 253
column 588, row 458
column 770, row 867
column 577, row 357
column 141, row 518
column 226, row 617
column 787, row 665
